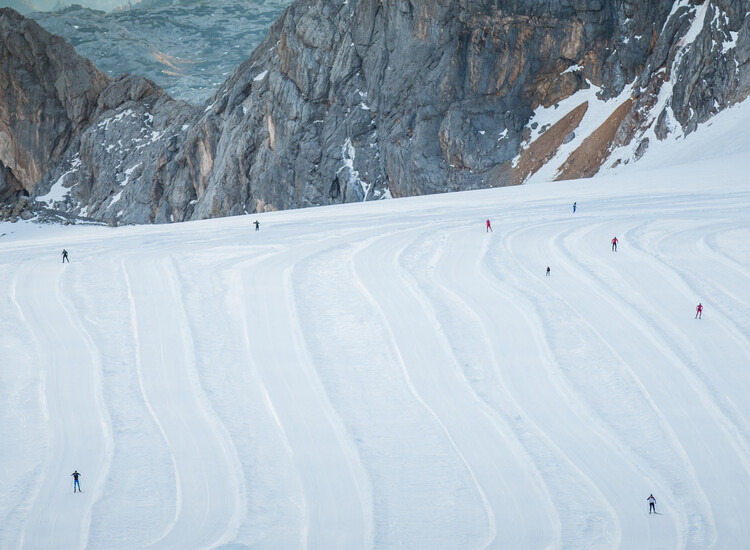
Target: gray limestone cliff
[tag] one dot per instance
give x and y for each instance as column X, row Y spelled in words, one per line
column 47, row 95
column 364, row 99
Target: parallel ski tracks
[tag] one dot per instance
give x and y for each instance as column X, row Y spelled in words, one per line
column 336, row 500
column 670, row 349
column 351, row 387
column 80, row 431
column 487, row 313
column 205, row 466
column 594, row 368
column 415, row 339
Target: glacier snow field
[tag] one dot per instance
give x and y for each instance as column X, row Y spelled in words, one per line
column 388, row 374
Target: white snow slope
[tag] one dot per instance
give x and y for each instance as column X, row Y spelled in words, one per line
column 388, row 374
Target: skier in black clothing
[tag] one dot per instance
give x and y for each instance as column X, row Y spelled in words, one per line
column 651, row 504
column 257, row 225
column 547, row 271
column 65, row 256
column 574, row 208
column 76, row 485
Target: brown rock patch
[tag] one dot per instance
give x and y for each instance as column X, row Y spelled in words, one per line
column 545, row 146
column 585, row 161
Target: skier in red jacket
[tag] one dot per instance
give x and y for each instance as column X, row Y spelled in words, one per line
column 489, row 227
column 614, row 244
column 698, row 311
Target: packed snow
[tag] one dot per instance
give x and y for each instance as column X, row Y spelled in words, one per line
column 390, row 374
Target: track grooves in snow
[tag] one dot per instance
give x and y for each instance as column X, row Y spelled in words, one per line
column 22, row 419
column 414, row 337
column 615, row 395
column 80, row 434
column 514, row 382
column 666, row 349
column 205, row 471
column 335, row 508
column 385, row 375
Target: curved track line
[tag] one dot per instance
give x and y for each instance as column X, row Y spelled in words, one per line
column 270, row 476
column 729, row 304
column 338, row 512
column 390, row 271
column 698, row 525
column 145, row 394
column 414, row 485
column 573, row 359
column 571, row 492
column 139, row 477
column 715, row 248
column 213, row 301
column 359, row 475
column 201, row 453
column 29, row 482
column 555, row 396
column 736, row 426
column 685, row 342
column 418, row 286
column 105, row 421
column 79, row 432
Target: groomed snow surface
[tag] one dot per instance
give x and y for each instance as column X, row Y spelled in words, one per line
column 388, row 374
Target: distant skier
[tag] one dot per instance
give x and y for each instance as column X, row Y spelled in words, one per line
column 547, row 271
column 651, row 504
column 257, row 225
column 76, row 485
column 698, row 311
column 65, row 256
column 489, row 227
column 614, row 244
column 574, row 208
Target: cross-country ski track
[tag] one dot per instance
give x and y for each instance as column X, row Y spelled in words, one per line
column 385, row 375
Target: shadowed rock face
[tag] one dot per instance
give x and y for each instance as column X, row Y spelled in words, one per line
column 47, row 94
column 373, row 98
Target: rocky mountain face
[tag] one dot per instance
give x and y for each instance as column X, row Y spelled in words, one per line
column 21, row 6
column 54, row 109
column 188, row 47
column 47, row 95
column 365, row 99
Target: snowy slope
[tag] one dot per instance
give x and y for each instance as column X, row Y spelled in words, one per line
column 388, row 374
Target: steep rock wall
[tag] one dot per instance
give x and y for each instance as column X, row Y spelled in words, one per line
column 360, row 100
column 365, row 99
column 47, row 95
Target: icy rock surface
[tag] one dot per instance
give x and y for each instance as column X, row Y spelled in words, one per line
column 188, row 48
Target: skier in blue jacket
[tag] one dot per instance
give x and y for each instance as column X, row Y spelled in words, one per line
column 76, row 485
